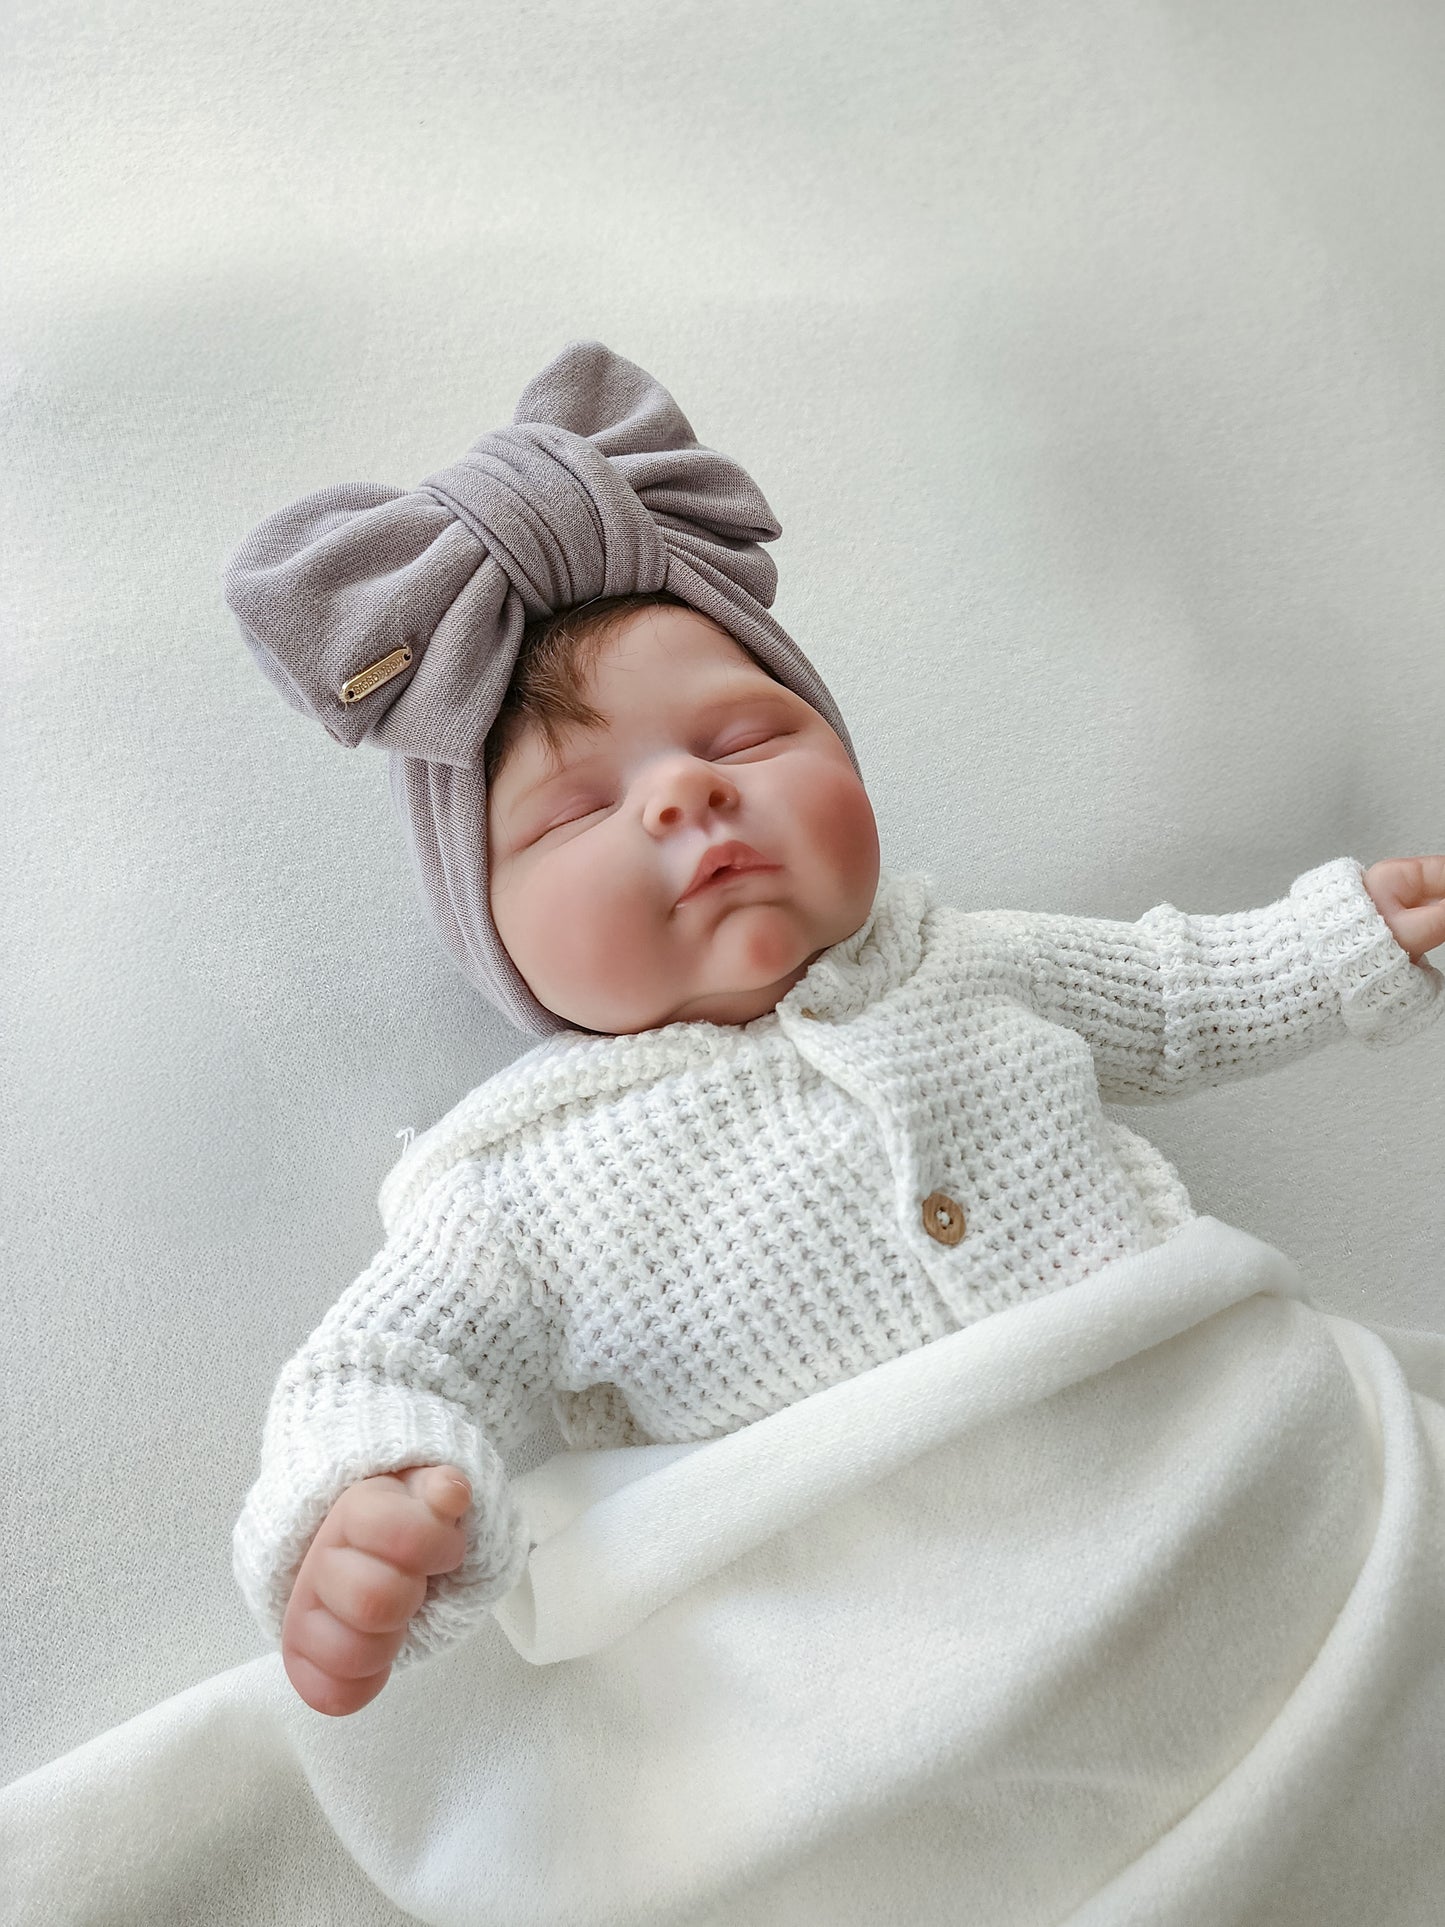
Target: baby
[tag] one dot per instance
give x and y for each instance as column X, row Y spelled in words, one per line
column 794, row 1116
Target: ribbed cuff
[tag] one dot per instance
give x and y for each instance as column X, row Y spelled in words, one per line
column 1384, row 997
column 351, row 1428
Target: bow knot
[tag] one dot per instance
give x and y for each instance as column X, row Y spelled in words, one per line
column 555, row 514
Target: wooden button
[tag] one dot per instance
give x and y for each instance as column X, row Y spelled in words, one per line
column 943, row 1218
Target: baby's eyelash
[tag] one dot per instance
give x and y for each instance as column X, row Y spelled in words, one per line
column 582, row 815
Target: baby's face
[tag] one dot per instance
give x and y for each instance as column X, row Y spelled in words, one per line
column 588, row 860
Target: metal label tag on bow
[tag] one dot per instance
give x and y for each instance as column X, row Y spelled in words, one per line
column 373, row 677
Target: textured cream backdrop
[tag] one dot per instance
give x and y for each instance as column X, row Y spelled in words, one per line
column 1091, row 360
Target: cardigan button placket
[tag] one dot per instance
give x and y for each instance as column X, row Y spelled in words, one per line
column 944, row 1218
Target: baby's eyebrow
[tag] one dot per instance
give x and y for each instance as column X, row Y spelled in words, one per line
column 545, row 782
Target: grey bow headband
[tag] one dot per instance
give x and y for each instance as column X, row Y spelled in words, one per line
column 395, row 616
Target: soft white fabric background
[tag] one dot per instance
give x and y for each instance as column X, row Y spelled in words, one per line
column 1090, row 358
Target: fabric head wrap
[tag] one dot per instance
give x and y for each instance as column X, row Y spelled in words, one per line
column 396, row 616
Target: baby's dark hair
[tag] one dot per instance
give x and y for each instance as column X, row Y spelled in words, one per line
column 549, row 678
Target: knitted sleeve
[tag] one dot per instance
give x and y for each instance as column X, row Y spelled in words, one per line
column 435, row 1354
column 1175, row 1003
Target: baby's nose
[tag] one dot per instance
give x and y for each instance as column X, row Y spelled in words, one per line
column 696, row 789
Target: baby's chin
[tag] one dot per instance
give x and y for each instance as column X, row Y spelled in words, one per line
column 725, row 1004
column 742, row 1002
column 757, row 962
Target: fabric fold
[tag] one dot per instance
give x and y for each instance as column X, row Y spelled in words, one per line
column 618, row 1534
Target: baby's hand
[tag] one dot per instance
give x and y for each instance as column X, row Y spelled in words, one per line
column 1409, row 893
column 363, row 1577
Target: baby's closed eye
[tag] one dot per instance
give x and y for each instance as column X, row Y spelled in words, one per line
column 577, row 813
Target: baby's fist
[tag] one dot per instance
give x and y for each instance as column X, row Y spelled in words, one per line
column 1409, row 893
column 364, row 1576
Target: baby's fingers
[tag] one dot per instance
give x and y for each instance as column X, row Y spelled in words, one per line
column 324, row 1692
column 366, row 1593
column 338, row 1667
column 446, row 1490
column 340, row 1651
column 397, row 1520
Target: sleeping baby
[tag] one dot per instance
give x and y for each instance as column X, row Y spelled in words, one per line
column 791, row 1115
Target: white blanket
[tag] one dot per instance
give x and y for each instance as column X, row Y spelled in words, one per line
column 1123, row 1606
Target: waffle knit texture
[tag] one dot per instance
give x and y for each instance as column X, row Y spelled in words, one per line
column 667, row 1235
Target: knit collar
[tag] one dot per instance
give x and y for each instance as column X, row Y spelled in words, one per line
column 884, row 950
column 574, row 1066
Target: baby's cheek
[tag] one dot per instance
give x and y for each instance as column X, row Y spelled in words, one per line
column 598, row 941
column 844, row 831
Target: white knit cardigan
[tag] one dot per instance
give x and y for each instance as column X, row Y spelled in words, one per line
column 667, row 1235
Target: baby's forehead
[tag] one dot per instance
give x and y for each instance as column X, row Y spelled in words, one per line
column 703, row 688
column 697, row 694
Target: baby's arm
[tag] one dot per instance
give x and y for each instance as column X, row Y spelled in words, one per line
column 435, row 1356
column 1176, row 1002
